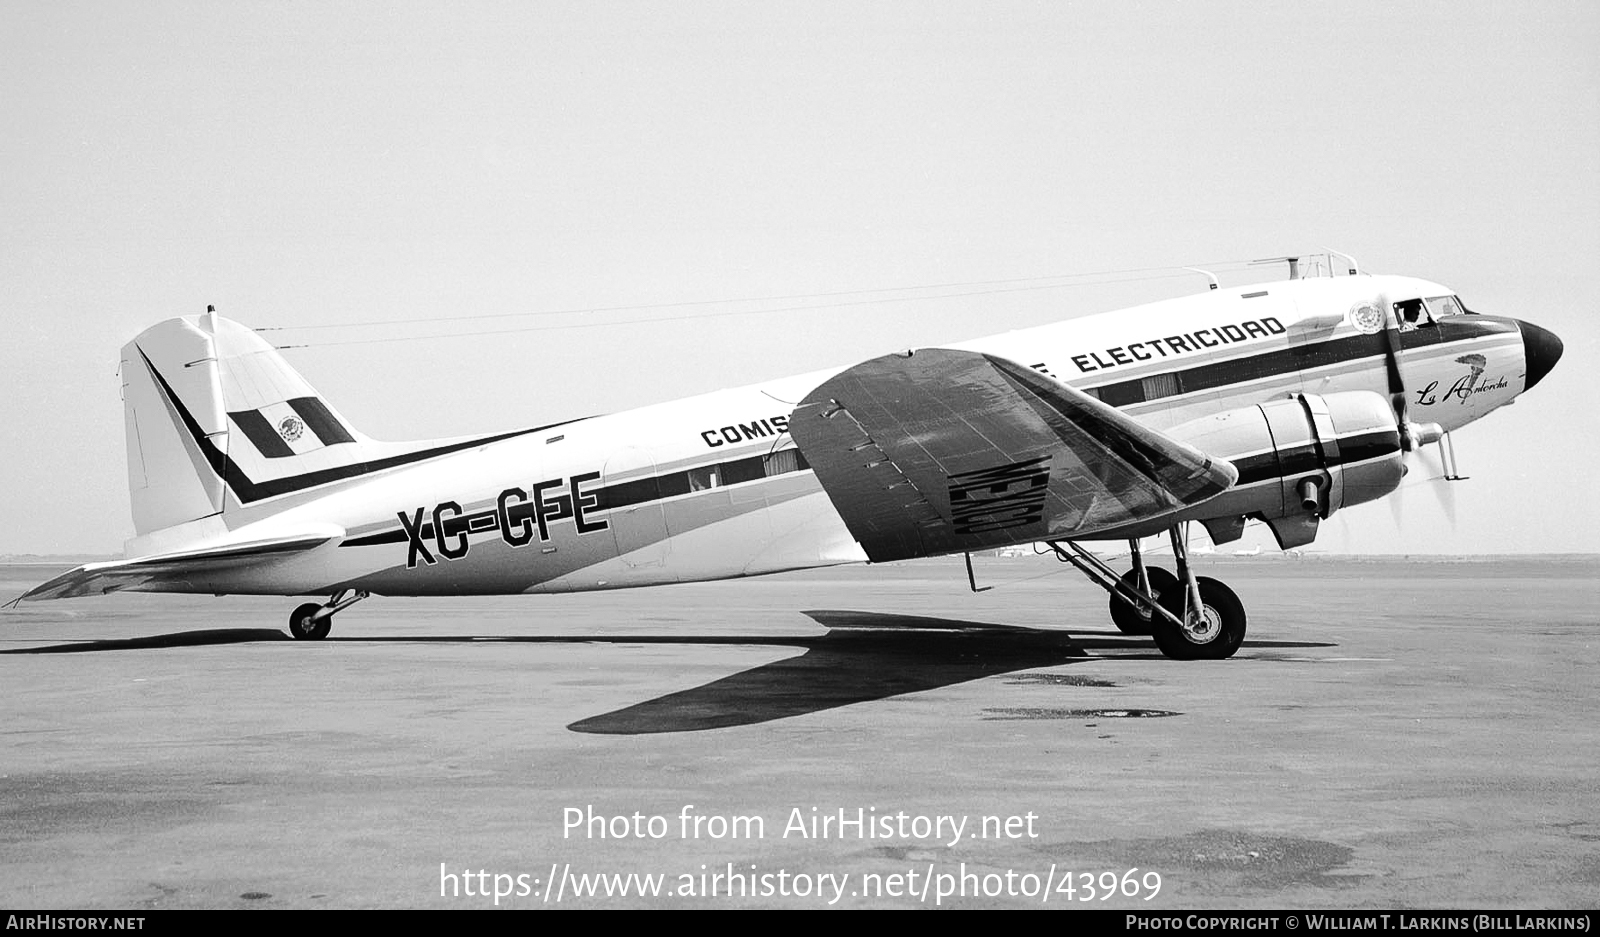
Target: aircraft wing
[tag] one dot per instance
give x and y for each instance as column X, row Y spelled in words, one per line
column 116, row 575
column 941, row 451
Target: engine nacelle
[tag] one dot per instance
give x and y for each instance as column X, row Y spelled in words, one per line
column 1299, row 460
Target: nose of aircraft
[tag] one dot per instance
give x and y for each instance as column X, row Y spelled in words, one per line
column 1541, row 349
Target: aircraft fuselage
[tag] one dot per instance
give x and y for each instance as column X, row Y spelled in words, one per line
column 712, row 487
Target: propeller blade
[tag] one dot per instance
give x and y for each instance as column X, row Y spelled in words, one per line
column 1391, row 335
column 1447, row 501
column 1438, row 480
column 1391, row 361
column 1425, row 470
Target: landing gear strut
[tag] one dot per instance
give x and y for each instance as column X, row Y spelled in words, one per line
column 312, row 622
column 1206, row 620
column 1132, row 616
column 1191, row 617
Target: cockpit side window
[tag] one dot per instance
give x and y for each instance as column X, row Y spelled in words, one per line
column 1442, row 306
column 1412, row 314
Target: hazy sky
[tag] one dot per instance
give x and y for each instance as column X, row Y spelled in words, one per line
column 318, row 163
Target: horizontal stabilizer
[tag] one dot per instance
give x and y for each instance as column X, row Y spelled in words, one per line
column 941, row 451
column 114, row 576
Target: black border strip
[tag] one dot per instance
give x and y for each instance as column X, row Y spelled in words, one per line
column 1119, row 394
column 1298, row 460
column 248, row 491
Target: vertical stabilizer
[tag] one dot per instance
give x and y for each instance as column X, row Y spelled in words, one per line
column 217, row 419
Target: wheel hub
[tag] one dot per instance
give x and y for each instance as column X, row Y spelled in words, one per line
column 1203, row 625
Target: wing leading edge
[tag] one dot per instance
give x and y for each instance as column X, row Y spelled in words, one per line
column 942, row 451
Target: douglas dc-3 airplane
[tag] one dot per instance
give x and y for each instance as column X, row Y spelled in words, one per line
column 1281, row 402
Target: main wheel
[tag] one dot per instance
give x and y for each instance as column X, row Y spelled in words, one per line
column 1214, row 633
column 303, row 625
column 1130, row 620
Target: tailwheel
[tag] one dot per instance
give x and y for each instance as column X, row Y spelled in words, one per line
column 1131, row 620
column 312, row 622
column 305, row 626
column 1213, row 631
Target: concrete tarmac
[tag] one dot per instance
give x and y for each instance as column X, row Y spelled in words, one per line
column 1393, row 734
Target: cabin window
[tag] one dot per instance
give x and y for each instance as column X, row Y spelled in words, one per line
column 1162, row 385
column 744, row 470
column 702, row 479
column 783, row 462
column 1123, row 394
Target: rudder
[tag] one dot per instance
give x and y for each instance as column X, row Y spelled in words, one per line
column 170, row 389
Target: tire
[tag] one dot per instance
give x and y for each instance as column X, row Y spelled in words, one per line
column 1137, row 621
column 1224, row 617
column 303, row 628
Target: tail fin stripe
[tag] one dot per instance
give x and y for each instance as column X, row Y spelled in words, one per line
column 260, row 432
column 320, row 421
column 248, row 491
column 218, row 461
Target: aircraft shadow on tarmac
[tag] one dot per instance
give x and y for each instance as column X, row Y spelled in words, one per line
column 202, row 638
column 864, row 656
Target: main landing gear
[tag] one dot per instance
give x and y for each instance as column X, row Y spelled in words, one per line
column 1133, row 616
column 1191, row 617
column 312, row 622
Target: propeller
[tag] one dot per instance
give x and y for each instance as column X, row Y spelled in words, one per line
column 1397, row 383
column 1414, row 437
column 1437, row 478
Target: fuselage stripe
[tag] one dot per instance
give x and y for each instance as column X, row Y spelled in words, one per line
column 1287, row 361
column 622, row 494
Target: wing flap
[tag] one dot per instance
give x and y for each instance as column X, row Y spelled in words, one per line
column 117, row 575
column 942, row 451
